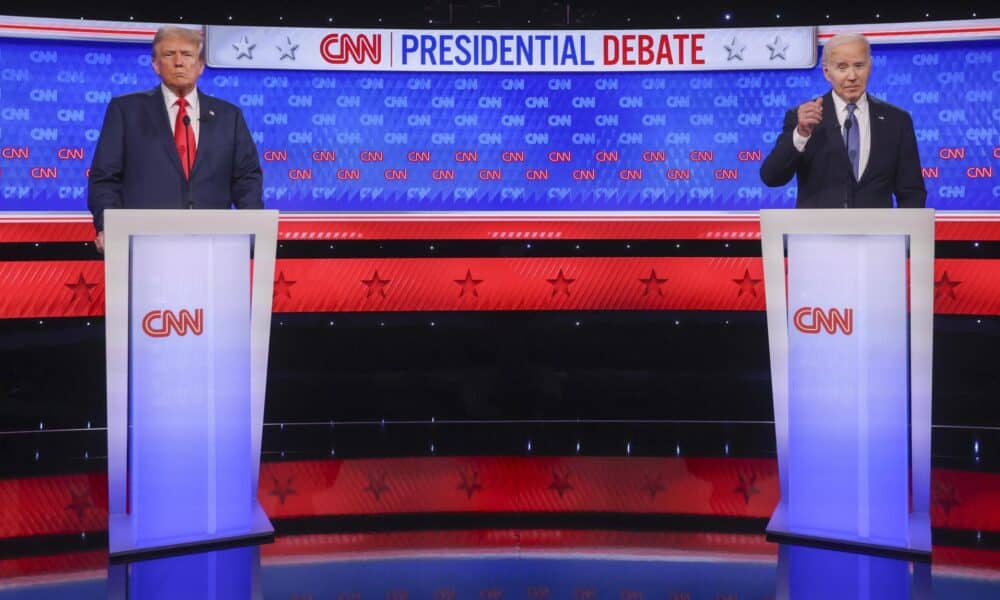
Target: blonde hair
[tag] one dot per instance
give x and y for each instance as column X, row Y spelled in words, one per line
column 842, row 39
column 187, row 34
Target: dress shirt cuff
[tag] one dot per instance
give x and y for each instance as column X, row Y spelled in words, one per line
column 799, row 140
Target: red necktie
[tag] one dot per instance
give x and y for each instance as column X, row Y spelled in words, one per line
column 184, row 137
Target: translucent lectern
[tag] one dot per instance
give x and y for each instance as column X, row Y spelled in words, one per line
column 850, row 323
column 188, row 321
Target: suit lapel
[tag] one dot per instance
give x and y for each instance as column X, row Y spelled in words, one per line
column 206, row 129
column 157, row 108
column 876, row 135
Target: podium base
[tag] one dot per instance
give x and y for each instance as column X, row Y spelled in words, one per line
column 123, row 547
column 918, row 549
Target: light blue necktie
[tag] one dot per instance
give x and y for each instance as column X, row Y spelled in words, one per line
column 852, row 138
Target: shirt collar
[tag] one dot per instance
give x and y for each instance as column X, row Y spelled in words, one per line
column 170, row 97
column 841, row 105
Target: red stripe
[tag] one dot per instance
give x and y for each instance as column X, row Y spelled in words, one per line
column 48, row 289
column 51, row 289
column 921, row 32
column 22, row 229
column 418, row 284
column 499, row 229
column 734, row 487
column 43, row 28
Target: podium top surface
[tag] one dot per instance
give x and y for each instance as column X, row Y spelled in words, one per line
column 147, row 221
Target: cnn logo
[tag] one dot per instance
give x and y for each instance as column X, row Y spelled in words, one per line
column 810, row 319
column 341, row 48
column 161, row 323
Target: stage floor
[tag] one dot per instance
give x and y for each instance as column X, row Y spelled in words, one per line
column 497, row 564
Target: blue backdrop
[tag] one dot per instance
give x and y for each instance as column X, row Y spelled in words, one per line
column 518, row 141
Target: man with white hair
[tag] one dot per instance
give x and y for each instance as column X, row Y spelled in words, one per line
column 173, row 146
column 846, row 148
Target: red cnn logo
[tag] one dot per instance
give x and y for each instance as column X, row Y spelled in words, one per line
column 159, row 323
column 341, row 48
column 809, row 319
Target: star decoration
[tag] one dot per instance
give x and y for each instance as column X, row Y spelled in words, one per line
column 734, row 49
column 747, row 284
column 375, row 284
column 282, row 286
column 945, row 287
column 282, row 492
column 747, row 487
column 288, row 51
column 652, row 283
column 470, row 484
column 81, row 289
column 652, row 486
column 560, row 283
column 376, row 486
column 468, row 284
column 560, row 483
column 81, row 502
column 244, row 48
column 778, row 48
column 946, row 497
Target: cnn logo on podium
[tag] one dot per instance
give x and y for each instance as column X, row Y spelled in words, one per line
column 812, row 319
column 163, row 323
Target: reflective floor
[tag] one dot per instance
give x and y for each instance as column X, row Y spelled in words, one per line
column 514, row 564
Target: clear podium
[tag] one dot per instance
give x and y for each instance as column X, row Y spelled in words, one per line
column 850, row 326
column 188, row 316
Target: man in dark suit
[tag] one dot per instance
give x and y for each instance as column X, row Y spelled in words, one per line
column 173, row 146
column 848, row 149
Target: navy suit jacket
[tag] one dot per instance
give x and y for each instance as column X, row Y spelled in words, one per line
column 824, row 172
column 136, row 164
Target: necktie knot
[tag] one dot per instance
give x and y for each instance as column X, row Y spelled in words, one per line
column 181, row 102
column 850, row 109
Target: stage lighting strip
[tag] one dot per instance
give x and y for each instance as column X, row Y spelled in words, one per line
column 717, row 487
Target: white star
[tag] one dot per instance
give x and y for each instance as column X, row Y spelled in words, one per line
column 244, row 48
column 288, row 51
column 777, row 49
column 735, row 49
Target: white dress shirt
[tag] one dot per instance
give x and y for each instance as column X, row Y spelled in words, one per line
column 861, row 113
column 193, row 110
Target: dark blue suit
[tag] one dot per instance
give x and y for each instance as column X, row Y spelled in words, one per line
column 824, row 172
column 136, row 164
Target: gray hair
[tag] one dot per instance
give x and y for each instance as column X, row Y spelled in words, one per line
column 842, row 39
column 185, row 33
